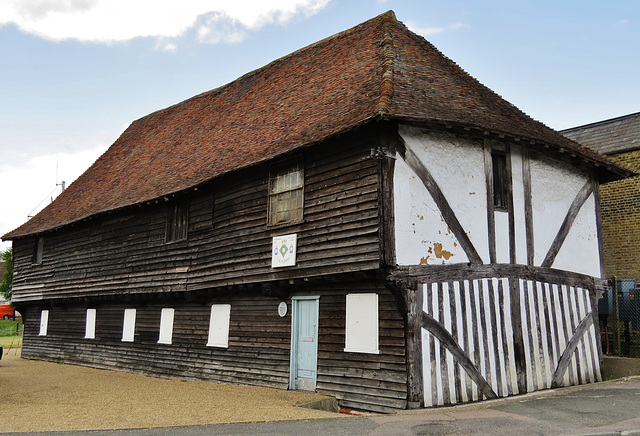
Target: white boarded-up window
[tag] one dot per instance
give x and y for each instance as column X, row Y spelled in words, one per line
column 90, row 324
column 128, row 325
column 219, row 326
column 44, row 322
column 166, row 326
column 361, row 333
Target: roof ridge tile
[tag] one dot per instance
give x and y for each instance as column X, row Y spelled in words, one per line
column 388, row 52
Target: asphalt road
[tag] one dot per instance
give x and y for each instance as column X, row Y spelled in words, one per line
column 609, row 408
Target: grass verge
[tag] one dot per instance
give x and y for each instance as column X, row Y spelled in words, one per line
column 8, row 336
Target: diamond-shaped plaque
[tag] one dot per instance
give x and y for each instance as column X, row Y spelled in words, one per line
column 283, row 250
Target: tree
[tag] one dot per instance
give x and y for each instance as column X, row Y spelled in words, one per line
column 7, row 280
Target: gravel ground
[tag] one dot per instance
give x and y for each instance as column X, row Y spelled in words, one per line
column 45, row 396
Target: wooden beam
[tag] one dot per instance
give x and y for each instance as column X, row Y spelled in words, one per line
column 510, row 207
column 415, row 385
column 491, row 218
column 565, row 359
column 447, row 341
column 518, row 342
column 596, row 197
column 389, row 141
column 464, row 271
column 449, row 216
column 575, row 207
column 528, row 205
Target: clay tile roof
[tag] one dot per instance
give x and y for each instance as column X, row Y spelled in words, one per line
column 616, row 135
column 376, row 70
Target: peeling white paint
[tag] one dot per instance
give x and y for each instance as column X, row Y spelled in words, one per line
column 422, row 236
column 457, row 165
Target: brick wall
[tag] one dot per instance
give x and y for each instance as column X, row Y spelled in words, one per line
column 620, row 203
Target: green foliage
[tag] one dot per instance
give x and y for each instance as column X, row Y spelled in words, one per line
column 10, row 328
column 11, row 334
column 7, row 281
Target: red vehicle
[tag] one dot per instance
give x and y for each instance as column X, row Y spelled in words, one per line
column 7, row 311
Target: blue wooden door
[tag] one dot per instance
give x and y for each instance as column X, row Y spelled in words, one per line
column 304, row 346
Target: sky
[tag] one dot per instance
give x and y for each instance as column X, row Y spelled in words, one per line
column 75, row 73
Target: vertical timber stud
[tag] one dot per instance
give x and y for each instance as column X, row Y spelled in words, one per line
column 491, row 219
column 518, row 342
column 594, row 307
column 415, row 386
column 388, row 134
column 596, row 194
column 528, row 204
column 595, row 294
column 512, row 222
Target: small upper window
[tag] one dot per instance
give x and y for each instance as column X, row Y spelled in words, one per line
column 286, row 187
column 177, row 221
column 38, row 249
column 500, row 181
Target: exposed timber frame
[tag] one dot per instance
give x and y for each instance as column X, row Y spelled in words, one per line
column 580, row 198
column 449, row 216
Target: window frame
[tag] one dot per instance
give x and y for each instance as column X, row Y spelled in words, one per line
column 177, row 221
column 282, row 169
column 38, row 251
column 500, row 180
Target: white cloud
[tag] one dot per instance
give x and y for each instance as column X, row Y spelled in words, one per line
column 29, row 187
column 426, row 31
column 120, row 20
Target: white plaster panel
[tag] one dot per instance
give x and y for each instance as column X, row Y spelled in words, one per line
column 554, row 185
column 580, row 252
column 517, row 181
column 501, row 220
column 422, row 236
column 457, row 165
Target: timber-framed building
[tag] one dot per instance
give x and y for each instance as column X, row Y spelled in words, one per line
column 361, row 218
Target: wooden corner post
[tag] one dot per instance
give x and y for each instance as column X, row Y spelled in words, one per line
column 413, row 296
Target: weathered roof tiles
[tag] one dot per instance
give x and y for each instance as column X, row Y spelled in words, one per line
column 376, row 70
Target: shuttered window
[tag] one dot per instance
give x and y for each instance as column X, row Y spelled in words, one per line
column 361, row 332
column 177, row 221
column 286, row 188
column 128, row 325
column 90, row 324
column 44, row 322
column 166, row 326
column 219, row 326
